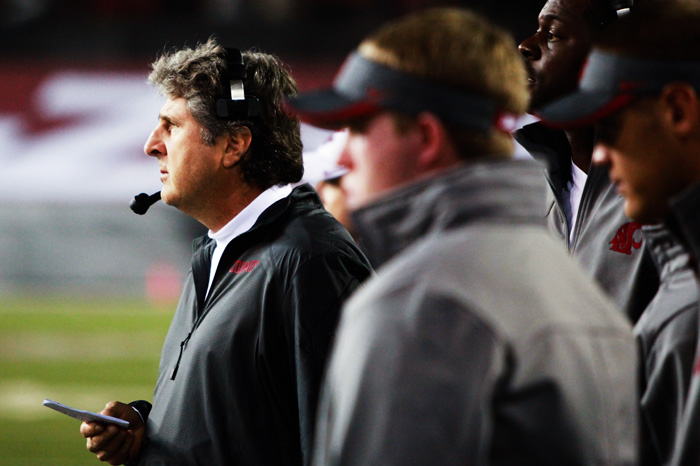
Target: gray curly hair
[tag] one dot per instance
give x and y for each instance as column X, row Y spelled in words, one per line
column 275, row 153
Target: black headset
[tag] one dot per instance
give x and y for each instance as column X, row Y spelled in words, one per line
column 617, row 9
column 234, row 104
column 621, row 7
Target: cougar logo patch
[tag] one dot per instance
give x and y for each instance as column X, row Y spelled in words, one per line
column 624, row 239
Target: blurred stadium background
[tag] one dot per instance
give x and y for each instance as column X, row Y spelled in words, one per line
column 87, row 287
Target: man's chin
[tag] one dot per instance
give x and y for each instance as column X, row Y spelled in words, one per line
column 167, row 197
column 534, row 105
column 643, row 215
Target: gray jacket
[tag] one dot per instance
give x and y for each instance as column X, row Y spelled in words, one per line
column 685, row 220
column 667, row 333
column 607, row 244
column 479, row 342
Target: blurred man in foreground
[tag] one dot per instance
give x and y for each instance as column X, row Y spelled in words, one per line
column 479, row 341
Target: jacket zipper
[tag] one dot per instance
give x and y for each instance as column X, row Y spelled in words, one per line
column 183, row 343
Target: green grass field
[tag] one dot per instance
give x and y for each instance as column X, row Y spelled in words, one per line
column 80, row 351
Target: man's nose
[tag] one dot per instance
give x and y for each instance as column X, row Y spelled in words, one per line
column 344, row 159
column 154, row 145
column 528, row 48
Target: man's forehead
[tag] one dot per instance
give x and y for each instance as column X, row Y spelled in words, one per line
column 565, row 10
column 174, row 108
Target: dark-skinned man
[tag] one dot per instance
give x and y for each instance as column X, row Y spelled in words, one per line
column 584, row 211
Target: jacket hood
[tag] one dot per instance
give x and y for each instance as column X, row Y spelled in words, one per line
column 489, row 191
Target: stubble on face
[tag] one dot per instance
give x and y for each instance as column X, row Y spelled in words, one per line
column 188, row 165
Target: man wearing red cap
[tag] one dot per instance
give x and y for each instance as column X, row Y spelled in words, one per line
column 640, row 88
column 479, row 341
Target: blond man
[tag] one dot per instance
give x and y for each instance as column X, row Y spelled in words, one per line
column 479, row 341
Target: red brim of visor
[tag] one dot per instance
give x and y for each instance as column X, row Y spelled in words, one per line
column 582, row 109
column 327, row 109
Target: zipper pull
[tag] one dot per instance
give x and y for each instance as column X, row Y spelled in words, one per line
column 183, row 343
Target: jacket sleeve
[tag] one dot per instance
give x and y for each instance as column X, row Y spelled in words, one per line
column 668, row 369
column 409, row 382
column 686, row 450
column 318, row 291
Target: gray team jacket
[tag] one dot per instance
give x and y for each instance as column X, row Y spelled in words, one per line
column 667, row 334
column 479, row 341
column 607, row 244
column 685, row 220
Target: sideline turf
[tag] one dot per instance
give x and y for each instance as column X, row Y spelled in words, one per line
column 78, row 350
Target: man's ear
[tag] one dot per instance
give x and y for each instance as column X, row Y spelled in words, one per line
column 436, row 146
column 237, row 144
column 682, row 108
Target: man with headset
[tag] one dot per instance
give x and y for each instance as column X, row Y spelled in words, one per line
column 584, row 209
column 641, row 88
column 243, row 359
column 479, row 341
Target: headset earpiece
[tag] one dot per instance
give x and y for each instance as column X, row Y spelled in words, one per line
column 235, row 105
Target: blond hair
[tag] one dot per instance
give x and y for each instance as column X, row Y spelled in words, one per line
column 459, row 49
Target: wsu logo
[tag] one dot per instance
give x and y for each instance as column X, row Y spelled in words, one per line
column 243, row 266
column 624, row 241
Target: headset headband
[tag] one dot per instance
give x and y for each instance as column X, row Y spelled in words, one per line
column 234, row 105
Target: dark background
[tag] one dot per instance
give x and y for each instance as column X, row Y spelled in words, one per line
column 103, row 31
column 75, row 111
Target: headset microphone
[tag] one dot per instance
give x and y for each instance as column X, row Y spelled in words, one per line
column 141, row 202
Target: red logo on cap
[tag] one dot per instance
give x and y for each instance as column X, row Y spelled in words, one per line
column 373, row 94
column 627, row 86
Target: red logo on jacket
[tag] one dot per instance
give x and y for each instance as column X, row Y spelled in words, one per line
column 243, row 266
column 624, row 241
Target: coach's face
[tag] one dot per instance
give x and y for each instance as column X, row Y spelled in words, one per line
column 555, row 53
column 189, row 168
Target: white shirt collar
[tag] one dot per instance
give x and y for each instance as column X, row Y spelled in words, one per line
column 243, row 222
column 247, row 217
column 574, row 189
